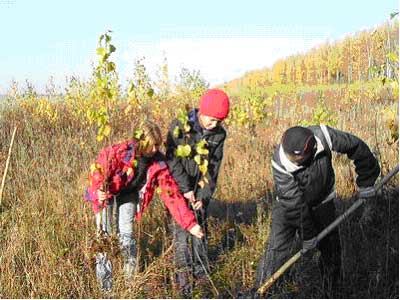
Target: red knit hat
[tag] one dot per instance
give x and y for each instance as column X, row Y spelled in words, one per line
column 214, row 103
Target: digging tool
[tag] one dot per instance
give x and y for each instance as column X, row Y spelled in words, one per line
column 3, row 181
column 270, row 281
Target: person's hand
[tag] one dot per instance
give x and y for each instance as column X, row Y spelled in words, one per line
column 190, row 196
column 198, row 204
column 366, row 192
column 309, row 244
column 196, row 231
column 102, row 196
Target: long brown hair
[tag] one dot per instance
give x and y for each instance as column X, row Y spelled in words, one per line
column 149, row 137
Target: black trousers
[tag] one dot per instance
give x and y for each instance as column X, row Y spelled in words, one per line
column 280, row 244
column 190, row 251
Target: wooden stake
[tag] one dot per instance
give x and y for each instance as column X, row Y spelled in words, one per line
column 7, row 164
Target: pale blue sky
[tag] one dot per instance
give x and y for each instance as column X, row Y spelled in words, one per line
column 222, row 39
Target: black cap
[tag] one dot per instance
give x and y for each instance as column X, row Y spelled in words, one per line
column 299, row 141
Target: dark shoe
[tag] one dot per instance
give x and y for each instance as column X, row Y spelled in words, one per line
column 186, row 292
column 185, row 286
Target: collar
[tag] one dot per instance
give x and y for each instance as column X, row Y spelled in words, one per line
column 291, row 167
column 194, row 121
column 286, row 163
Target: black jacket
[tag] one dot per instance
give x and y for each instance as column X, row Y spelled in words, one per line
column 185, row 170
column 299, row 190
column 139, row 178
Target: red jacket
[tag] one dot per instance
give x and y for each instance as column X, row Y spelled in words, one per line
column 117, row 163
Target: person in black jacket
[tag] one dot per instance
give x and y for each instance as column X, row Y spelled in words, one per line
column 199, row 126
column 305, row 188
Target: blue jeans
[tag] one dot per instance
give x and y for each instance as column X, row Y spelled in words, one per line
column 125, row 211
column 124, row 208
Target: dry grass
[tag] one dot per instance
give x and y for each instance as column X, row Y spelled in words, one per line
column 47, row 229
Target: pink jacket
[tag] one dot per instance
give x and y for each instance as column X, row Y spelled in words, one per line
column 117, row 163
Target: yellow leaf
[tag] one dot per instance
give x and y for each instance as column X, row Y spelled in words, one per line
column 201, row 147
column 203, row 168
column 94, row 167
column 197, row 159
column 158, row 190
column 186, row 127
column 128, row 109
column 176, row 132
column 134, row 163
column 183, row 150
column 107, row 130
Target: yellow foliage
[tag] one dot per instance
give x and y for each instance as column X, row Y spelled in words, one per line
column 41, row 108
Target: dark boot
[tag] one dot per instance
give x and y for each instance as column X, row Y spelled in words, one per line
column 185, row 286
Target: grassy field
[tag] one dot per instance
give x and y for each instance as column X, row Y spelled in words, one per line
column 46, row 229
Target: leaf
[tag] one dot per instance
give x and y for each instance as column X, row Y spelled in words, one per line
column 393, row 14
column 201, row 147
column 131, row 87
column 104, row 58
column 182, row 116
column 197, row 159
column 95, row 167
column 101, row 38
column 107, row 130
column 393, row 57
column 186, row 127
column 183, row 151
column 111, row 49
column 101, row 51
column 101, row 82
column 203, row 167
column 138, row 133
column 111, row 67
column 100, row 137
column 176, row 132
column 150, row 92
column 100, row 129
column 135, row 163
column 108, row 37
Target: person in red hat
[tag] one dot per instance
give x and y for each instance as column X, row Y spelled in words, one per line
column 196, row 175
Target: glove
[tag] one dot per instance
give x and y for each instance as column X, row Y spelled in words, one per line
column 309, row 244
column 366, row 192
